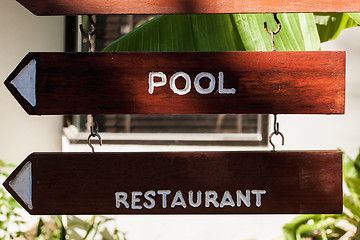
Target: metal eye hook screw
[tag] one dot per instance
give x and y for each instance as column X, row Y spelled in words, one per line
column 271, row 33
column 94, row 133
column 276, row 132
column 90, row 34
column 90, row 43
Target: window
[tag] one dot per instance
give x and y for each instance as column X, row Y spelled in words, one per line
column 222, row 129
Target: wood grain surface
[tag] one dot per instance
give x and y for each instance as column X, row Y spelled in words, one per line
column 80, row 7
column 118, row 83
column 86, row 183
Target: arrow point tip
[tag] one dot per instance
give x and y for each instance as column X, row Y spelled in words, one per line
column 22, row 185
column 25, row 81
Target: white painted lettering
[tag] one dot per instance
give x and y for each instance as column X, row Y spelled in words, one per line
column 178, row 200
column 187, row 87
column 210, row 197
column 120, row 197
column 135, row 199
column 153, row 84
column 198, row 87
column 164, row 193
column 150, row 199
column 223, row 90
column 227, row 200
column 240, row 197
column 191, row 199
column 258, row 196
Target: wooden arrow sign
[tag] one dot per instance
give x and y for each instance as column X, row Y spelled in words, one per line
column 180, row 83
column 80, row 7
column 179, row 183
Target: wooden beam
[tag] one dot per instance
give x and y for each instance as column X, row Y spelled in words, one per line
column 155, row 83
column 161, row 183
column 81, row 7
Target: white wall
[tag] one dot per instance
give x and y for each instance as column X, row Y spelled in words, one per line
column 23, row 32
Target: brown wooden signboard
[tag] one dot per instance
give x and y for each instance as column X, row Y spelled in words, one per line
column 80, row 7
column 179, row 183
column 180, row 83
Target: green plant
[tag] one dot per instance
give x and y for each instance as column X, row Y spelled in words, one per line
column 53, row 227
column 234, row 32
column 10, row 218
column 76, row 228
column 333, row 226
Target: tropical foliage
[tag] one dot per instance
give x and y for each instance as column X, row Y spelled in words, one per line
column 234, row 32
column 12, row 224
column 333, row 226
column 10, row 218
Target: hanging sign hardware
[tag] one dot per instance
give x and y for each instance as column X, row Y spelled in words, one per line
column 271, row 33
column 93, row 24
column 94, row 133
column 90, row 34
column 276, row 132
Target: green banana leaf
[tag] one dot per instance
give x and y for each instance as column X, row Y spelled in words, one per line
column 355, row 17
column 234, row 32
column 221, row 32
column 330, row 25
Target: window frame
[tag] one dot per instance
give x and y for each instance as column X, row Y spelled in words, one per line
column 73, row 42
column 74, row 136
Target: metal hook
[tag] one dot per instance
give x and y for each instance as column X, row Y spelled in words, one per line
column 276, row 125
column 276, row 132
column 271, row 32
column 90, row 34
column 94, row 133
